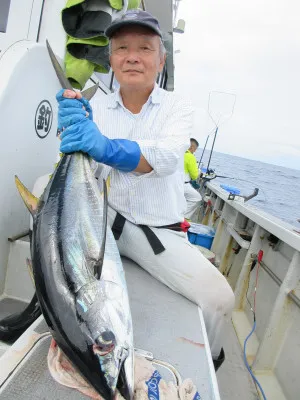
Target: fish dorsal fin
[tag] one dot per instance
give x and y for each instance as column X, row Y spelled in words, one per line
column 99, row 264
column 31, row 202
column 58, row 69
column 65, row 83
column 90, row 92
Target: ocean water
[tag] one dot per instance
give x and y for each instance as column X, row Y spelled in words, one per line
column 279, row 187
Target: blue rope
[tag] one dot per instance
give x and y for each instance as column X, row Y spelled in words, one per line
column 248, row 366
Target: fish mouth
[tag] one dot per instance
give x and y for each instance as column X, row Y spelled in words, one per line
column 112, row 366
column 103, row 351
column 126, row 380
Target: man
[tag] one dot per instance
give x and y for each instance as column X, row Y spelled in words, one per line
column 191, row 173
column 139, row 135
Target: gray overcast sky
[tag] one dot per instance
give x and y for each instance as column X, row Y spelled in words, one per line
column 251, row 49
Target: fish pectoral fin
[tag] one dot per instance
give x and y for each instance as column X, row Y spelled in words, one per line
column 31, row 202
column 99, row 263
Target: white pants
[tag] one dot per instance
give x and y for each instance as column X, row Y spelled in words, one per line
column 183, row 269
column 193, row 198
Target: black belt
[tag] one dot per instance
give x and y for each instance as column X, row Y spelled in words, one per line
column 155, row 243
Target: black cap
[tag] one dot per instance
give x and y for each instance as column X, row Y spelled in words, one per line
column 134, row 17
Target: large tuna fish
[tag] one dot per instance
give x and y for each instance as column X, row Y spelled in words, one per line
column 79, row 278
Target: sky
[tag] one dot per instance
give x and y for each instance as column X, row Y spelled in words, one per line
column 250, row 49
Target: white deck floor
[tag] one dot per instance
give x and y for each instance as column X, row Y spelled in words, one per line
column 234, row 380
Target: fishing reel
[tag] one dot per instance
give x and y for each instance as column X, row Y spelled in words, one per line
column 207, row 176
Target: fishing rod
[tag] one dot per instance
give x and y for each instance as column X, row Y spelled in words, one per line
column 232, row 195
column 212, row 147
column 203, row 151
column 204, row 148
column 243, row 180
column 221, row 117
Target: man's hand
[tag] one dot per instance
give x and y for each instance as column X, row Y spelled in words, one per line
column 80, row 133
column 72, row 108
column 84, row 136
column 143, row 167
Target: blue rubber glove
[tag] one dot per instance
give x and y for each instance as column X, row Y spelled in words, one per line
column 71, row 111
column 85, row 136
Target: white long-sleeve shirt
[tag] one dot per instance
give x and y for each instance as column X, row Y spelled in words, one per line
column 162, row 130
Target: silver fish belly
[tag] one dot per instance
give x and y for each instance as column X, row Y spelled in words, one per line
column 89, row 318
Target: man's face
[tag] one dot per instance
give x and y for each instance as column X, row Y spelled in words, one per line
column 193, row 147
column 135, row 57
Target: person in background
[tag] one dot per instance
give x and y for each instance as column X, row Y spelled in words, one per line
column 191, row 173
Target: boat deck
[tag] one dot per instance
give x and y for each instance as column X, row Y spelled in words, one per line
column 235, row 382
column 165, row 324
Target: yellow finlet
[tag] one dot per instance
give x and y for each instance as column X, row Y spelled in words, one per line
column 30, row 270
column 31, row 202
column 108, row 184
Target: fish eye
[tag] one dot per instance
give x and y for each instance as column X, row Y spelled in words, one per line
column 105, row 343
column 106, row 337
